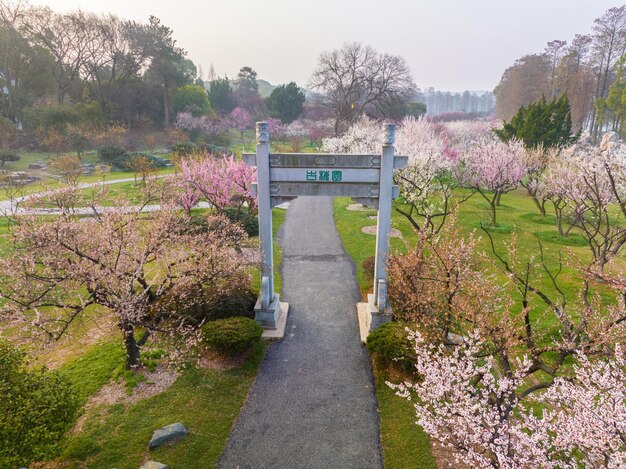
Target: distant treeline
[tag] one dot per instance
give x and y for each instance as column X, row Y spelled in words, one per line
column 128, row 68
column 585, row 70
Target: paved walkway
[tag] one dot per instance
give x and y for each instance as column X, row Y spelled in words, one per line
column 313, row 403
column 13, row 206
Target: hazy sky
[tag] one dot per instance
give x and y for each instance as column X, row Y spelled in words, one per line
column 449, row 44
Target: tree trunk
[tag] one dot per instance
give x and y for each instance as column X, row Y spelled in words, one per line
column 166, row 110
column 560, row 225
column 493, row 213
column 132, row 348
column 540, row 205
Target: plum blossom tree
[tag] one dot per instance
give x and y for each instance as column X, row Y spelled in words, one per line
column 561, row 184
column 464, row 134
column 209, row 126
column 586, row 187
column 426, row 184
column 222, row 181
column 277, row 129
column 318, row 130
column 492, row 169
column 537, row 162
column 240, row 119
column 462, row 404
column 588, row 422
column 133, row 265
column 439, row 285
column 361, row 137
column 465, row 402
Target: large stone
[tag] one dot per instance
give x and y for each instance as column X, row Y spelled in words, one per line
column 167, row 434
column 154, row 465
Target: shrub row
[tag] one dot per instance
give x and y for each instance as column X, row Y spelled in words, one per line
column 120, row 158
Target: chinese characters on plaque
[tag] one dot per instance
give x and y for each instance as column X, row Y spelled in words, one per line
column 324, row 175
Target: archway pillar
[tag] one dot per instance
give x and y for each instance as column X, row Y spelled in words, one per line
column 267, row 310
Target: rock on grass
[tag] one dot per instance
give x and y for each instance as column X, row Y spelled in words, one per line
column 167, row 434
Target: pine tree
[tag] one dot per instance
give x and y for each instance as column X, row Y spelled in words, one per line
column 541, row 123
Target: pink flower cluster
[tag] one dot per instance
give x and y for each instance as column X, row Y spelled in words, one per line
column 222, row 181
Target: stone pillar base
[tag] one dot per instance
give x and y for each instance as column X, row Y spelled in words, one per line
column 279, row 332
column 268, row 317
column 370, row 317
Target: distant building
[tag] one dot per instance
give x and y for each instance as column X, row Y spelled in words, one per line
column 482, row 103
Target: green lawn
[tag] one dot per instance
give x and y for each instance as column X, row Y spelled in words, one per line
column 405, row 445
column 206, row 401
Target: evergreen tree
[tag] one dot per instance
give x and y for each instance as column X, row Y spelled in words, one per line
column 286, row 102
column 221, row 96
column 545, row 123
column 246, row 84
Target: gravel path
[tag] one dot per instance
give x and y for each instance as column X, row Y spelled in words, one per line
column 313, row 403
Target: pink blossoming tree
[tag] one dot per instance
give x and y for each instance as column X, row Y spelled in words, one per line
column 465, row 402
column 209, row 126
column 241, row 120
column 142, row 269
column 222, row 181
column 426, row 184
column 493, row 168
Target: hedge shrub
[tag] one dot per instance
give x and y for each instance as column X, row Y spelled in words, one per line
column 110, row 153
column 248, row 222
column 390, row 344
column 36, row 408
column 232, row 336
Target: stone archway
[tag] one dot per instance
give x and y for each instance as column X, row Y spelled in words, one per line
column 366, row 178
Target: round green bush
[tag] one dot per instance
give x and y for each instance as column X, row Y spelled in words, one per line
column 390, row 343
column 36, row 408
column 232, row 336
column 249, row 223
column 8, row 156
column 110, row 153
